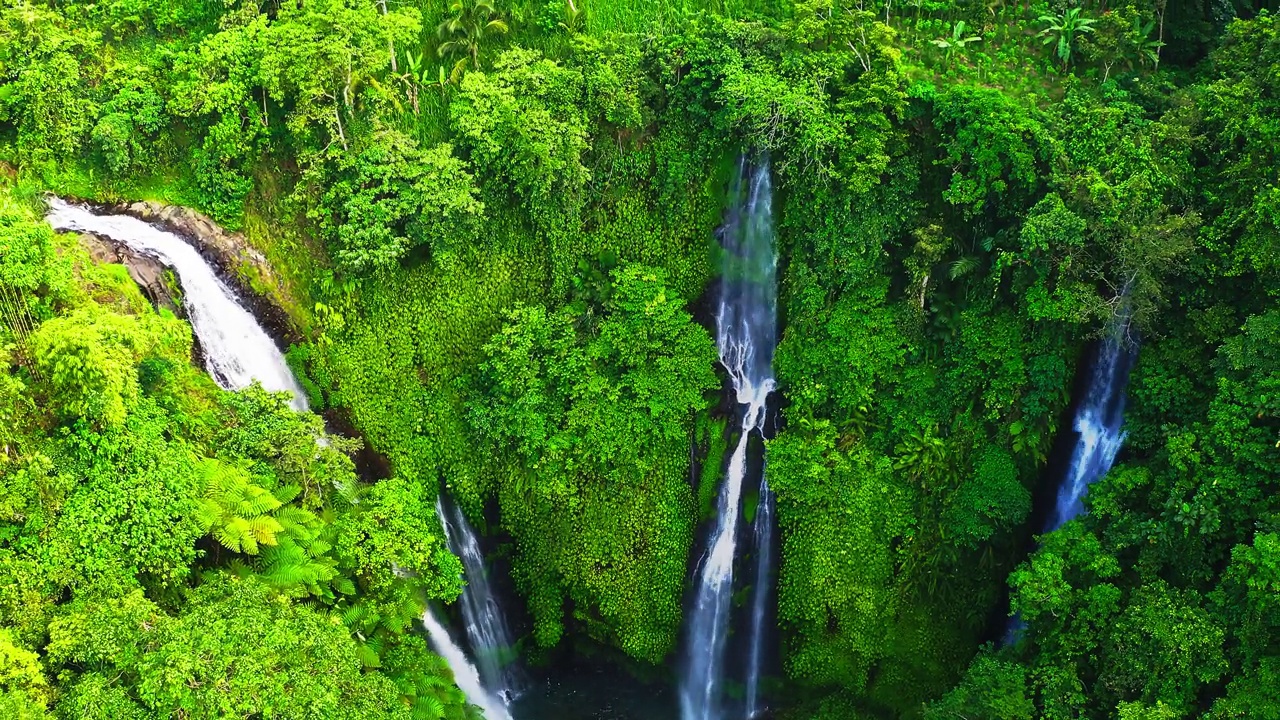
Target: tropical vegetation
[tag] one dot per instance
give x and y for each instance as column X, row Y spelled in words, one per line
column 494, row 228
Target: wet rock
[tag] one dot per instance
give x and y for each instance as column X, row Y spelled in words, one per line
column 231, row 254
column 146, row 271
column 230, row 251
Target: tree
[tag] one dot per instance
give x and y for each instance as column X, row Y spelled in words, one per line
column 320, row 55
column 129, row 123
column 993, row 689
column 393, row 197
column 465, row 32
column 525, row 132
column 91, row 361
column 235, row 511
column 237, row 649
column 46, row 94
column 1163, row 648
column 24, row 691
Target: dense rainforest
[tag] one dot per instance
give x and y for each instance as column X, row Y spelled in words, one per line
column 491, row 232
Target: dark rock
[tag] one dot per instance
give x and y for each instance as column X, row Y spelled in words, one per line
column 146, row 271
column 230, row 254
column 230, row 250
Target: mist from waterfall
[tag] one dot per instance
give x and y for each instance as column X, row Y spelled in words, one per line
column 237, row 350
column 464, row 673
column 746, row 334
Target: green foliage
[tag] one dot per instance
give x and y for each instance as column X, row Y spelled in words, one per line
column 1165, row 645
column 235, row 511
column 521, row 127
column 24, row 691
column 237, row 650
column 128, row 124
column 600, row 420
column 1062, row 31
column 426, row 682
column 957, row 40
column 992, row 501
column 91, row 360
column 955, row 219
column 464, row 33
column 393, row 197
column 394, row 533
column 992, row 689
column 46, row 99
column 997, row 149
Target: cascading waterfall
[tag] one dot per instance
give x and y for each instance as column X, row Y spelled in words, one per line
column 487, row 631
column 237, row 350
column 762, row 532
column 464, row 673
column 1098, row 422
column 746, row 332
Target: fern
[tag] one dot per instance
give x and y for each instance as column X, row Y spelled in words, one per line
column 368, row 656
column 344, row 585
column 288, row 493
column 963, row 266
column 427, row 707
column 236, row 511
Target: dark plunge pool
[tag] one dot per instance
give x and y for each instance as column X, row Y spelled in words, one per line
column 595, row 694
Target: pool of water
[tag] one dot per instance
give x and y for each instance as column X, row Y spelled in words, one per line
column 591, row 694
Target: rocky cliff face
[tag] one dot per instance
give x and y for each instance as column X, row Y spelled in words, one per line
column 246, row 269
column 229, row 251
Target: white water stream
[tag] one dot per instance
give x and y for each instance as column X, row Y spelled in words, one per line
column 1098, row 422
column 487, row 632
column 746, row 333
column 464, row 673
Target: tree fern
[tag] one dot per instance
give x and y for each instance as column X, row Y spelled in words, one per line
column 344, row 585
column 427, row 707
column 234, row 510
column 288, row 493
column 291, row 569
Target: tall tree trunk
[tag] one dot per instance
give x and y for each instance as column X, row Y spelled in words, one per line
column 391, row 44
column 1160, row 38
column 337, row 115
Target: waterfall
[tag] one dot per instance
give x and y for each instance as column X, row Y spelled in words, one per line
column 487, row 631
column 746, row 330
column 237, row 350
column 465, row 674
column 762, row 532
column 1098, row 422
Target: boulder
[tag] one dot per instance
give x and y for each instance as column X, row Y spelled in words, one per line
column 146, row 271
column 238, row 263
column 230, row 251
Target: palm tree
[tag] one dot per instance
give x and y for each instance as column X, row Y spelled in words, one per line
column 1062, row 29
column 464, row 32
